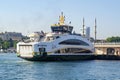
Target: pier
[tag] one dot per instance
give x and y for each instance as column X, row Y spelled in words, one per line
column 107, row 48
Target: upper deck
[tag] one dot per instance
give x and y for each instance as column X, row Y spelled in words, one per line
column 61, row 26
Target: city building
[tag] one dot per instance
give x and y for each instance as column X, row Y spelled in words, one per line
column 11, row 35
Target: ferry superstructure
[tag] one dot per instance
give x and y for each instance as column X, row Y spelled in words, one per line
column 60, row 44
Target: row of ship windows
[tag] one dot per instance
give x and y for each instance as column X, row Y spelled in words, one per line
column 74, row 42
column 71, row 42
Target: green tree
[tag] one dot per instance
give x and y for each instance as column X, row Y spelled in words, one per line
column 15, row 44
column 113, row 39
column 6, row 45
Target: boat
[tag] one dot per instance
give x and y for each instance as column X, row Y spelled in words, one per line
column 61, row 44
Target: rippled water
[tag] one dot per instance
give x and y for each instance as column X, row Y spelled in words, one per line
column 14, row 68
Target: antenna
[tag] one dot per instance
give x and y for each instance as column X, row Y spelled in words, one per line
column 95, row 29
column 61, row 19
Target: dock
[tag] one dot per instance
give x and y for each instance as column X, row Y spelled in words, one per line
column 107, row 48
column 107, row 51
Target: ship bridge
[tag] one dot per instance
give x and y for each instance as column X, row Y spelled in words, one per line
column 61, row 26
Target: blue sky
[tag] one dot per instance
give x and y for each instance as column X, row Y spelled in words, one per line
column 27, row 16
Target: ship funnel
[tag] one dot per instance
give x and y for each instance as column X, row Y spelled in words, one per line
column 88, row 33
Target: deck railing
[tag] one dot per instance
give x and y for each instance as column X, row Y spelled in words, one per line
column 107, row 43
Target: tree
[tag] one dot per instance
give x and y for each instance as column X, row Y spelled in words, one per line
column 6, row 45
column 15, row 44
column 113, row 39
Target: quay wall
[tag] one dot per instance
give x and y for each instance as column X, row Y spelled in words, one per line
column 106, row 57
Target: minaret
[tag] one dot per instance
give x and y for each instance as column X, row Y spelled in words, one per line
column 83, row 27
column 95, row 29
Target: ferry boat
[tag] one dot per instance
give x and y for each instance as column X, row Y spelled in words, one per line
column 60, row 44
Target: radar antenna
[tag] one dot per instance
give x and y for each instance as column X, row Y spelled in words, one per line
column 61, row 19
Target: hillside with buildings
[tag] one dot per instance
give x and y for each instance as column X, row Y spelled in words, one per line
column 11, row 35
column 8, row 41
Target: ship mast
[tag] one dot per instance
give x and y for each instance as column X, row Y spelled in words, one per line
column 61, row 19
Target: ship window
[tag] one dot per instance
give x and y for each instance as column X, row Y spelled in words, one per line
column 41, row 49
column 73, row 50
column 74, row 42
column 57, row 37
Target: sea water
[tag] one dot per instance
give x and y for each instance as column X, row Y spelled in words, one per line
column 15, row 68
